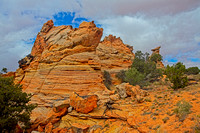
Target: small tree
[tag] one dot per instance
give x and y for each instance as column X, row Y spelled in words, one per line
column 140, row 61
column 156, row 57
column 4, row 70
column 175, row 74
column 14, row 105
column 192, row 70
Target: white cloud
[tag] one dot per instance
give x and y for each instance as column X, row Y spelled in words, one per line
column 145, row 24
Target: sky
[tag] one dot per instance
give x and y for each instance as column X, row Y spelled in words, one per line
column 144, row 24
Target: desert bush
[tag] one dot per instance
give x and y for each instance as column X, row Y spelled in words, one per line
column 14, row 105
column 146, row 67
column 192, row 71
column 176, row 76
column 182, row 110
column 121, row 75
column 142, row 71
column 107, row 79
column 134, row 77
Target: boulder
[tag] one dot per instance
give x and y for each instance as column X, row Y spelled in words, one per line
column 121, row 90
column 60, row 105
column 115, row 97
column 79, row 128
column 130, row 90
column 83, row 104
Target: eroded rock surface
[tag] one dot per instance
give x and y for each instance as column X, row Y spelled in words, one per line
column 83, row 104
column 114, row 54
column 65, row 60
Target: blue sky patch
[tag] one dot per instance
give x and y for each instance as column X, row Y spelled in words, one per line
column 30, row 41
column 194, row 59
column 174, row 60
column 67, row 18
column 171, row 59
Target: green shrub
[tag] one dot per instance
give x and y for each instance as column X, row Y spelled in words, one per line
column 140, row 61
column 192, row 71
column 121, row 75
column 134, row 77
column 141, row 72
column 107, row 79
column 156, row 57
column 14, row 105
column 4, row 70
column 175, row 74
column 182, row 110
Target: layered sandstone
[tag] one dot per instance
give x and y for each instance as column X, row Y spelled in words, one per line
column 65, row 60
column 114, row 54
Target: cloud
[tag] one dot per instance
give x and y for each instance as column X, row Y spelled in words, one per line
column 144, row 24
column 20, row 21
column 178, row 35
column 105, row 8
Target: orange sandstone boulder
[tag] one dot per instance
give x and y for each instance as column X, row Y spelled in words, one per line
column 125, row 89
column 83, row 104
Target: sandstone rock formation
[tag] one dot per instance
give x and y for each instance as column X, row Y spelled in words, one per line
column 65, row 60
column 156, row 50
